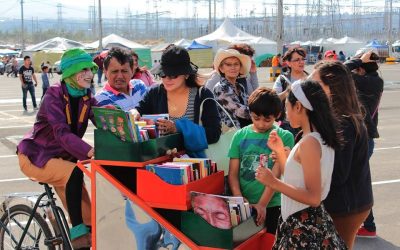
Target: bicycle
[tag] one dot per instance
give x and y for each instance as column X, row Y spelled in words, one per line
column 25, row 227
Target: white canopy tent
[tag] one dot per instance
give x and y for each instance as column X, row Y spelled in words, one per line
column 183, row 42
column 348, row 45
column 8, row 52
column 114, row 40
column 55, row 44
column 50, row 50
column 227, row 34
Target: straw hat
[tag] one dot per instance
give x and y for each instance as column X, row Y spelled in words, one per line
column 222, row 54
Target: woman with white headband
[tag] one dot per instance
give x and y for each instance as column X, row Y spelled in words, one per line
column 307, row 171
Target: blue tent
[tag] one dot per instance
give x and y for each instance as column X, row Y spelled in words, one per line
column 375, row 44
column 196, row 45
column 201, row 55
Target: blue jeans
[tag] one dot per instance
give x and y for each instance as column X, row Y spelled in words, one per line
column 369, row 223
column 31, row 89
column 99, row 76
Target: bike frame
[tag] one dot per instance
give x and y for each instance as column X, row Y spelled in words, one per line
column 58, row 215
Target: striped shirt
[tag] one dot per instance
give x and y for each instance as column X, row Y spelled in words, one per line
column 189, row 113
column 110, row 96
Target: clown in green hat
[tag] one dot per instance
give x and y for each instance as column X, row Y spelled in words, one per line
column 77, row 69
column 49, row 152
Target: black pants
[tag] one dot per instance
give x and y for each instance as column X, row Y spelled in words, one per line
column 271, row 219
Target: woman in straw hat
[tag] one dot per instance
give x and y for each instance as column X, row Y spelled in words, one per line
column 228, row 92
column 48, row 152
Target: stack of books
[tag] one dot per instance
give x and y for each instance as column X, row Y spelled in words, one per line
column 183, row 170
column 123, row 125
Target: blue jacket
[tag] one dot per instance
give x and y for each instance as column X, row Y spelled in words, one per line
column 194, row 138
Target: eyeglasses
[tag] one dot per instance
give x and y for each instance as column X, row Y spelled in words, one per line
column 170, row 77
column 299, row 60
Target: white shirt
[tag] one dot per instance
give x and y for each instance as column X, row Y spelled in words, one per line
column 294, row 175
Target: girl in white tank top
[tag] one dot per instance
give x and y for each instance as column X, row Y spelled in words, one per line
column 306, row 171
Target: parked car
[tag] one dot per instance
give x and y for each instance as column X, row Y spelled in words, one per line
column 2, row 68
column 8, row 68
column 56, row 68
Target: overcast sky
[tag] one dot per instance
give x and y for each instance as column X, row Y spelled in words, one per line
column 175, row 8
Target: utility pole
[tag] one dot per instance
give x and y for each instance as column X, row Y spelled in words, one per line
column 215, row 15
column 100, row 29
column 22, row 25
column 59, row 15
column 390, row 26
column 279, row 27
column 209, row 16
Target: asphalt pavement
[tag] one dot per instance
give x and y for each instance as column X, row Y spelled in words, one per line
column 385, row 162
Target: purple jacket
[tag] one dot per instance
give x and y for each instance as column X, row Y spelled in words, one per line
column 51, row 136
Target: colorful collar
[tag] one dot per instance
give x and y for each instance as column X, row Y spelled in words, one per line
column 108, row 87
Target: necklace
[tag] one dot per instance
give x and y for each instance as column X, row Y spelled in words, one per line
column 172, row 107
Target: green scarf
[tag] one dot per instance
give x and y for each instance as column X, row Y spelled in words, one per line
column 73, row 88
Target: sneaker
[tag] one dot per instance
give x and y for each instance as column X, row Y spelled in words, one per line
column 35, row 108
column 85, row 241
column 364, row 233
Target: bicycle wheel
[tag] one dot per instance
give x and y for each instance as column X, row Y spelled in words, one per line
column 15, row 221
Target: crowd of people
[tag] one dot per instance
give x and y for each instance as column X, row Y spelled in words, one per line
column 315, row 137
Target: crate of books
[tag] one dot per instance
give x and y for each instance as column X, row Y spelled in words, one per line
column 168, row 185
column 219, row 221
column 119, row 137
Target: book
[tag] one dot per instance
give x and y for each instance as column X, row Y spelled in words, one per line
column 174, row 175
column 114, row 120
column 123, row 124
column 187, row 166
column 203, row 163
column 220, row 211
column 152, row 118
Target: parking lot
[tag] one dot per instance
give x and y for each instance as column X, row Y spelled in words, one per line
column 385, row 163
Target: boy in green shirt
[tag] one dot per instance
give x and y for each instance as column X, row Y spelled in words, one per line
column 247, row 145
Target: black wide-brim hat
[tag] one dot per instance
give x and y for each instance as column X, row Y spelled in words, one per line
column 176, row 61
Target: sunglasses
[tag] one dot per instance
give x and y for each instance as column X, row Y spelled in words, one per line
column 170, row 77
column 299, row 60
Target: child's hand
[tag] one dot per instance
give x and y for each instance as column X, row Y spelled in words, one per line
column 274, row 141
column 261, row 212
column 264, row 176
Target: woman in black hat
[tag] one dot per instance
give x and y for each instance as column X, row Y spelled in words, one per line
column 180, row 96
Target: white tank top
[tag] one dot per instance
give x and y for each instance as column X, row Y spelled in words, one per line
column 294, row 175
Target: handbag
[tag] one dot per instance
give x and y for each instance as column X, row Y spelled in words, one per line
column 218, row 152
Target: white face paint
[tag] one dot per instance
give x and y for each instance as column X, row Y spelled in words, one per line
column 84, row 78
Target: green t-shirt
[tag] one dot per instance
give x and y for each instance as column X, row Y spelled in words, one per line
column 247, row 145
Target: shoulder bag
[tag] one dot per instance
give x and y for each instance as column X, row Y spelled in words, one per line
column 218, row 151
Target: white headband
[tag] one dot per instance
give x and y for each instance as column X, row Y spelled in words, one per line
column 299, row 94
